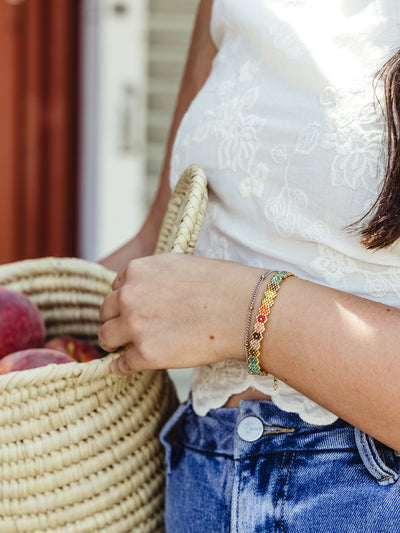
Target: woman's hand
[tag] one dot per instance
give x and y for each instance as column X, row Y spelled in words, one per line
column 177, row 311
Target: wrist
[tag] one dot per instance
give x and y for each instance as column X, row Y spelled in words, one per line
column 259, row 323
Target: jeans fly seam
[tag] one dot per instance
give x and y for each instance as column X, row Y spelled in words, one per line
column 276, row 491
column 286, row 489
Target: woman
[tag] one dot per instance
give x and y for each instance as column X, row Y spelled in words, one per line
column 278, row 105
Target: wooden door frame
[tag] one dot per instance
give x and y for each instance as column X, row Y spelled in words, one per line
column 39, row 130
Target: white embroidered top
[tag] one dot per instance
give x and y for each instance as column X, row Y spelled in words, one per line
column 292, row 141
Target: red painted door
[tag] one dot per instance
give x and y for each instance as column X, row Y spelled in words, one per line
column 39, row 62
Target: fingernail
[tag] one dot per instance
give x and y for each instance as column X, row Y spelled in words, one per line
column 114, row 367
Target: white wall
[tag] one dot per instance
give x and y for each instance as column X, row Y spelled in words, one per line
column 114, row 87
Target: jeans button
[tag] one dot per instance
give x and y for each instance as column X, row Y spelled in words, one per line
column 250, row 428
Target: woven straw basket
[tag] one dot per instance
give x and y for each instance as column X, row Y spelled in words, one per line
column 79, row 448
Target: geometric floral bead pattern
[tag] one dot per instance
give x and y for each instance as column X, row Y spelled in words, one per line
column 253, row 353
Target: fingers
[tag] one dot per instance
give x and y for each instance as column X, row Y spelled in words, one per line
column 109, row 313
column 129, row 362
column 123, row 366
column 119, row 279
column 113, row 334
column 115, row 314
column 110, row 308
column 118, row 302
column 125, row 274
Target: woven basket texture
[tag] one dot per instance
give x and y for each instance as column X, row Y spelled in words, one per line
column 79, row 446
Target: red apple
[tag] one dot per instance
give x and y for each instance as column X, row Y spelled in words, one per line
column 80, row 350
column 21, row 324
column 32, row 358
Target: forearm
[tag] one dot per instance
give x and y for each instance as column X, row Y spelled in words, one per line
column 138, row 246
column 341, row 351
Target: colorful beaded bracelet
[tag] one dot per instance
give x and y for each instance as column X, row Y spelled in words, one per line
column 253, row 347
column 251, row 307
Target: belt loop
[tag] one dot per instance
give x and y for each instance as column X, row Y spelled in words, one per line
column 372, row 460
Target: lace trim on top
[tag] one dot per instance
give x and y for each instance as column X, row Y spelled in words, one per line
column 212, row 385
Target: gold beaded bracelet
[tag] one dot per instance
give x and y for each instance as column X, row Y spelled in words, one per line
column 253, row 346
column 251, row 307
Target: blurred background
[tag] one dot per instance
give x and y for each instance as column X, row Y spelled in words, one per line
column 87, row 94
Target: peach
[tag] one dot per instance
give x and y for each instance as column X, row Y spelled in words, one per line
column 80, row 350
column 21, row 324
column 32, row 358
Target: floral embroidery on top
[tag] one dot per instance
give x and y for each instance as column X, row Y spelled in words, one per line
column 253, row 185
column 358, row 148
column 355, row 142
column 377, row 286
column 237, row 130
column 279, row 154
column 332, row 265
column 285, row 210
column 285, row 39
column 233, row 125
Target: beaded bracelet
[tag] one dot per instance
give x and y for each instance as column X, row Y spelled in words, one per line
column 253, row 351
column 251, row 307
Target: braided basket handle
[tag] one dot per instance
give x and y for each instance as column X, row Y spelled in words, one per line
column 185, row 212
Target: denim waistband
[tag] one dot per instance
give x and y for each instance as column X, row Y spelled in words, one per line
column 221, row 432
column 281, row 431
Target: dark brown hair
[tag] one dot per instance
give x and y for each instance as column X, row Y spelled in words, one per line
column 381, row 225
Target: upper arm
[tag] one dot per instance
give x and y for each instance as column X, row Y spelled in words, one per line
column 199, row 59
column 201, row 53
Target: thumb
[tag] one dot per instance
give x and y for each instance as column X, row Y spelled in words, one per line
column 122, row 366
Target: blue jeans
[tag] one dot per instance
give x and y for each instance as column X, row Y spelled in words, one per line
column 259, row 469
